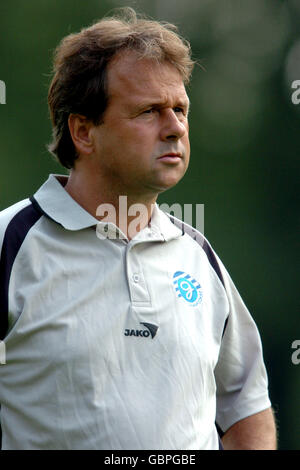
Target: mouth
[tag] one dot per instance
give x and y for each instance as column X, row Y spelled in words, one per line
column 170, row 157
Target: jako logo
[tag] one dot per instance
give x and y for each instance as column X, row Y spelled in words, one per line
column 152, row 330
column 187, row 288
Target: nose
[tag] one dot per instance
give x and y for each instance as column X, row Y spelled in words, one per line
column 173, row 127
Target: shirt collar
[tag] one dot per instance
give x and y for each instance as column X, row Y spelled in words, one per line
column 160, row 222
column 58, row 205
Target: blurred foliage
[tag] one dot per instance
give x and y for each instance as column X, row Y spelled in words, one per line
column 244, row 137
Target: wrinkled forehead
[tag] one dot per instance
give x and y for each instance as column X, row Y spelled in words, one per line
column 128, row 73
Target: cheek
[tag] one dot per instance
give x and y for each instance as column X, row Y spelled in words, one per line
column 142, row 134
column 134, row 136
column 139, row 142
column 186, row 143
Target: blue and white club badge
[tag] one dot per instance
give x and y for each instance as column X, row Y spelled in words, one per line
column 187, row 288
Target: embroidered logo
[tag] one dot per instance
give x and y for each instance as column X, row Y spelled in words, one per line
column 187, row 288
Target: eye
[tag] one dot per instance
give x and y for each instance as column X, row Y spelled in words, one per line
column 148, row 111
column 178, row 109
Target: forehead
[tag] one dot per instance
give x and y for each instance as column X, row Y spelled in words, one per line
column 131, row 78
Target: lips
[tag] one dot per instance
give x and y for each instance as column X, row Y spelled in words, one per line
column 170, row 157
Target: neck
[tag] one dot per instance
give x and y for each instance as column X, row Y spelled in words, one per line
column 128, row 211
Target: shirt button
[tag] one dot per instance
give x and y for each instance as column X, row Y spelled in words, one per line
column 136, row 278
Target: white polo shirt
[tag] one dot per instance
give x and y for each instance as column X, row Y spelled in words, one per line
column 116, row 344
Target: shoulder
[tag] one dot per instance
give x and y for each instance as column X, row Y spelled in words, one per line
column 8, row 215
column 201, row 241
column 188, row 230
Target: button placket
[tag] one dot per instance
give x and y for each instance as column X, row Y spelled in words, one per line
column 136, row 277
column 137, row 284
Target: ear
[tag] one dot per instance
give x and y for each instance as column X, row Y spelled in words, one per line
column 80, row 130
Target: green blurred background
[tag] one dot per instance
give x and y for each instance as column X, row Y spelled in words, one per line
column 245, row 145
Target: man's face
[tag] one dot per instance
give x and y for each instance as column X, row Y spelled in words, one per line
column 142, row 146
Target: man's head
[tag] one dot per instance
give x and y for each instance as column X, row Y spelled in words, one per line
column 80, row 83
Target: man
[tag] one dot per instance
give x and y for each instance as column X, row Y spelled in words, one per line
column 122, row 335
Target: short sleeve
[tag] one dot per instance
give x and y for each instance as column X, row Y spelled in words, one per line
column 240, row 373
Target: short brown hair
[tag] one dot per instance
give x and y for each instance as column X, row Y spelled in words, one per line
column 80, row 61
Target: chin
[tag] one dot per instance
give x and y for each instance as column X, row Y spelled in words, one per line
column 168, row 184
column 163, row 181
column 171, row 180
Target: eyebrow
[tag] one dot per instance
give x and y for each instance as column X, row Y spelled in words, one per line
column 161, row 103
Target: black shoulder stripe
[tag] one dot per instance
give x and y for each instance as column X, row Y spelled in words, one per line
column 15, row 234
column 199, row 238
column 213, row 260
